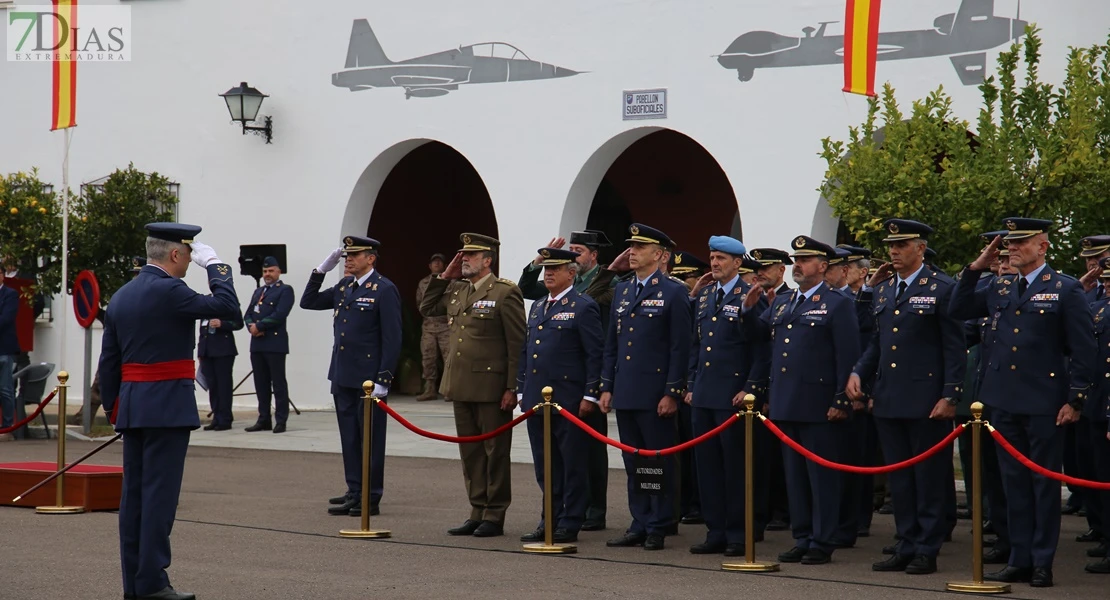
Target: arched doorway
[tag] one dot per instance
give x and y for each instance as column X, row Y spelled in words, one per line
column 655, row 176
column 416, row 198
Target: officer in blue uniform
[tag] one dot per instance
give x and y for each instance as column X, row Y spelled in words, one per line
column 366, row 322
column 563, row 350
column 721, row 366
column 1097, row 410
column 815, row 341
column 689, row 269
column 146, row 383
column 265, row 319
column 216, row 351
column 1037, row 378
column 917, row 358
column 643, row 375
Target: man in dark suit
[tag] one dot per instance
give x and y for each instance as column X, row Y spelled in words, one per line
column 643, row 376
column 815, row 341
column 9, row 351
column 216, row 351
column 146, row 382
column 917, row 358
column 366, row 321
column 563, row 350
column 265, row 319
column 1038, row 376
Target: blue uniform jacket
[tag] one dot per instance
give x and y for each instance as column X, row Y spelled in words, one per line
column 1097, row 407
column 9, row 306
column 723, row 357
column 222, row 341
column 1026, row 364
column 366, row 325
column 917, row 353
column 563, row 350
column 812, row 353
column 150, row 320
column 268, row 309
column 648, row 343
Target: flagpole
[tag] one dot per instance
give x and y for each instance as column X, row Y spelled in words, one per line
column 65, row 258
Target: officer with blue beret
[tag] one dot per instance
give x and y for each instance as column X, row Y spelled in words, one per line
column 563, row 350
column 265, row 318
column 146, row 381
column 1038, row 377
column 643, row 376
column 917, row 358
column 1097, row 410
column 815, row 341
column 366, row 320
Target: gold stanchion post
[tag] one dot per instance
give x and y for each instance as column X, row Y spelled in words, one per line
column 749, row 565
column 60, row 485
column 547, row 547
column 977, row 585
column 367, row 440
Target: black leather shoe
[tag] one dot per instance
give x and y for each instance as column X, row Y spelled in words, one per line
column 891, row 549
column 1098, row 551
column 922, row 565
column 562, row 535
column 694, row 518
column 488, row 529
column 338, row 499
column 260, row 426
column 209, row 427
column 1069, row 509
column 1011, row 575
column 990, row 542
column 627, row 540
column 357, row 510
column 593, row 525
column 279, row 428
column 168, row 593
column 1101, row 567
column 898, row 562
column 535, row 536
column 777, row 525
column 467, row 528
column 988, row 528
column 996, row 556
column 707, row 548
column 1090, row 536
column 734, row 550
column 1042, row 577
column 654, row 541
column 816, row 557
column 344, row 508
column 793, row 555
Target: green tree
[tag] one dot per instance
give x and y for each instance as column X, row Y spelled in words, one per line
column 31, row 230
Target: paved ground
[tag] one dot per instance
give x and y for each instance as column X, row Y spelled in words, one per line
column 252, row 525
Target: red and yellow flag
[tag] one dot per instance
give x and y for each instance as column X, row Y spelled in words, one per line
column 65, row 71
column 861, row 44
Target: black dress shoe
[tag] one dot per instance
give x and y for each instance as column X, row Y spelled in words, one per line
column 734, row 550
column 693, row 518
column 562, row 535
column 777, row 525
column 1090, row 536
column 345, row 507
column 816, row 556
column 988, row 527
column 338, row 499
column 1069, row 509
column 707, row 548
column 922, row 565
column 535, row 536
column 891, row 549
column 593, row 525
column 1101, row 567
column 260, row 426
column 1011, row 575
column 209, row 427
column 1098, row 551
column 996, row 556
column 279, row 428
column 488, row 529
column 1042, row 577
column 168, row 593
column 357, row 510
column 654, row 541
column 467, row 528
column 793, row 555
column 627, row 540
column 990, row 542
column 898, row 562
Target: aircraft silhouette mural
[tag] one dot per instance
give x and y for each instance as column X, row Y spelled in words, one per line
column 963, row 36
column 439, row 73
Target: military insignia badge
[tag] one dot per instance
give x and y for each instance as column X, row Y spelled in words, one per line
column 1086, row 244
column 466, row 239
column 882, row 300
column 756, row 254
column 544, row 253
column 823, row 307
column 933, row 287
column 625, row 292
column 1059, row 284
column 1003, row 291
column 654, row 280
column 347, row 241
column 893, row 228
column 736, row 291
column 564, row 302
column 799, row 242
column 1011, row 225
column 678, row 259
column 1046, row 277
column 222, row 269
column 375, row 288
column 923, row 281
column 816, row 298
column 659, row 295
column 368, row 285
column 634, row 230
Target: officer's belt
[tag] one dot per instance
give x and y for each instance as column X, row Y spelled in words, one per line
column 163, row 371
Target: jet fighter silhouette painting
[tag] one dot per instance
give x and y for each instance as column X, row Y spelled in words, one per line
column 963, row 36
column 436, row 74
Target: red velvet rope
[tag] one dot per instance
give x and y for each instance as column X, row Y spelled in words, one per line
column 450, row 438
column 1038, row 469
column 861, row 470
column 664, row 452
column 31, row 417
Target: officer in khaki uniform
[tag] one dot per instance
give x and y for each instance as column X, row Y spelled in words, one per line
column 486, row 319
column 434, row 335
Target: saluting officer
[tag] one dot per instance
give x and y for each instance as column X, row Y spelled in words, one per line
column 815, row 341
column 917, row 358
column 367, row 306
column 643, row 375
column 486, row 317
column 562, row 350
column 721, row 366
column 265, row 318
column 216, row 351
column 1037, row 377
column 146, row 382
column 1097, row 409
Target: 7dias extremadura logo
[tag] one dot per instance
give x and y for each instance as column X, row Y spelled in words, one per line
column 69, row 33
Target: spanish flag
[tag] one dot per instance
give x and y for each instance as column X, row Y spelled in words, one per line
column 65, row 71
column 861, row 43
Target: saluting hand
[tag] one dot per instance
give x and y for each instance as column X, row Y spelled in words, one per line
column 1090, row 279
column 753, row 296
column 703, row 281
column 330, row 262
column 620, row 263
column 556, row 242
column 882, row 274
column 454, row 268
column 988, row 257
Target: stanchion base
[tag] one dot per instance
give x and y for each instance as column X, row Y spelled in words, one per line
column 752, row 567
column 369, row 533
column 972, row 587
column 59, row 510
column 552, row 549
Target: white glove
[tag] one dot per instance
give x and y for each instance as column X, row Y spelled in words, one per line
column 204, row 255
column 380, row 391
column 330, row 262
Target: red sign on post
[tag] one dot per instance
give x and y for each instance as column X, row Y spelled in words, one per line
column 25, row 316
column 86, row 298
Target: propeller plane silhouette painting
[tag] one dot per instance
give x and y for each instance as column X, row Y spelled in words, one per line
column 436, row 74
column 963, row 36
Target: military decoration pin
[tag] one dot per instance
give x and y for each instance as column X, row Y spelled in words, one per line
column 1046, row 277
column 933, row 287
column 654, row 280
column 923, row 281
column 816, row 298
column 564, row 302
column 1059, row 284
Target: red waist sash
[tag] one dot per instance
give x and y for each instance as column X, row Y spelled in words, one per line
column 163, row 371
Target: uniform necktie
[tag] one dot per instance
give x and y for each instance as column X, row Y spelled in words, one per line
column 720, row 296
column 547, row 308
column 901, row 290
column 639, row 288
column 1099, row 292
column 1022, row 284
column 797, row 301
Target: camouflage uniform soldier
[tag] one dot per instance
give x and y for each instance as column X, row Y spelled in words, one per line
column 434, row 338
